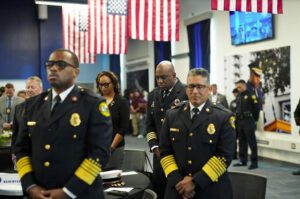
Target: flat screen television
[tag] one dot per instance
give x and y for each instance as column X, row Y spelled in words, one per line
column 248, row 27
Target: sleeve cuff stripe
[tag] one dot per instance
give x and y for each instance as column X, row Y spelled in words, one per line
column 164, row 161
column 218, row 162
column 91, row 165
column 210, row 173
column 170, row 169
column 23, row 160
column 217, row 165
column 85, row 176
column 215, row 169
column 167, row 165
column 90, row 170
column 24, row 170
column 69, row 193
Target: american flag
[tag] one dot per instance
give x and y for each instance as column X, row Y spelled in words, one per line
column 154, row 20
column 75, row 32
column 265, row 6
column 108, row 26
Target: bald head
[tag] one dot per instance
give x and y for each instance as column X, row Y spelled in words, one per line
column 165, row 75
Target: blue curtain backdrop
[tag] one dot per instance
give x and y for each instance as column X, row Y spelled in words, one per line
column 115, row 65
column 199, row 43
column 162, row 51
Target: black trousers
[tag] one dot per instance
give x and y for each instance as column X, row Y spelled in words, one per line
column 159, row 180
column 246, row 132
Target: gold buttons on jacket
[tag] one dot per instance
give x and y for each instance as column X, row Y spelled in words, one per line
column 210, row 141
column 46, row 164
column 47, row 146
column 173, row 139
column 162, row 120
column 161, row 109
column 190, row 162
column 189, row 148
column 74, row 136
column 190, row 134
column 190, row 174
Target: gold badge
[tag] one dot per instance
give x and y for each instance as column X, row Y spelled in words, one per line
column 253, row 97
column 211, row 129
column 75, row 119
column 232, row 121
column 104, row 109
column 246, row 97
column 8, row 110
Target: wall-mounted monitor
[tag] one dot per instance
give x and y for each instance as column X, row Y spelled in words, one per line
column 248, row 27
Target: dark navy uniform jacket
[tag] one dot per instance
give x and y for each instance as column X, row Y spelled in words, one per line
column 157, row 107
column 202, row 149
column 247, row 106
column 68, row 149
column 258, row 92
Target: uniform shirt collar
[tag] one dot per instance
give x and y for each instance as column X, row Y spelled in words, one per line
column 62, row 95
column 199, row 107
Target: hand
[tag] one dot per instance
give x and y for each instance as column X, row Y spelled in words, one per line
column 7, row 125
column 55, row 194
column 156, row 152
column 186, row 187
column 36, row 192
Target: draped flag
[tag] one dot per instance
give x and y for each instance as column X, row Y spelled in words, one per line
column 108, row 26
column 75, row 32
column 154, row 20
column 265, row 6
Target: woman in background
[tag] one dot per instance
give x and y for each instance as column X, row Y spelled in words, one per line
column 109, row 87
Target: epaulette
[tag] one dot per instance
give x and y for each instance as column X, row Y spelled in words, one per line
column 220, row 107
column 179, row 104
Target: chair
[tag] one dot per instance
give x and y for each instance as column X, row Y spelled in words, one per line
column 149, row 194
column 248, row 185
column 135, row 160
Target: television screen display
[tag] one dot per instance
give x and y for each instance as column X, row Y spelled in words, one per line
column 248, row 27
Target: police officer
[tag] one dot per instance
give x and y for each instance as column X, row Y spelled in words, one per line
column 246, row 118
column 66, row 136
column 254, row 83
column 232, row 107
column 170, row 91
column 197, row 144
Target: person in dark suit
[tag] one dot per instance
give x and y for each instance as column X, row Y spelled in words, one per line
column 217, row 98
column 247, row 113
column 34, row 86
column 297, row 121
column 8, row 103
column 168, row 94
column 197, row 143
column 65, row 139
column 233, row 107
column 109, row 87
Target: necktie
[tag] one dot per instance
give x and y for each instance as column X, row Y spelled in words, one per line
column 165, row 94
column 8, row 109
column 57, row 102
column 195, row 112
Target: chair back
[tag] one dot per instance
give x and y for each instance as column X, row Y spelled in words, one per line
column 248, row 185
column 149, row 194
column 135, row 160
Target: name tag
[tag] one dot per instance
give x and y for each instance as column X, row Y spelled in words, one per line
column 174, row 130
column 31, row 123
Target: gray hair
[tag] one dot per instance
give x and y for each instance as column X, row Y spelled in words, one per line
column 37, row 79
column 199, row 72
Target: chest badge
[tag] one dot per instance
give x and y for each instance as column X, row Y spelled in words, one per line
column 75, row 119
column 246, row 97
column 104, row 109
column 211, row 129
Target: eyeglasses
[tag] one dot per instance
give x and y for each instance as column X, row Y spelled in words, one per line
column 199, row 87
column 105, row 85
column 60, row 64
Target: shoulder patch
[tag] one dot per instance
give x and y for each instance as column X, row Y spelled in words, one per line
column 232, row 121
column 103, row 109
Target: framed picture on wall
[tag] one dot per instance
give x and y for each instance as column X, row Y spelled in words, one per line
column 138, row 80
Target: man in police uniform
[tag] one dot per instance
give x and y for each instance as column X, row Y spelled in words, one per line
column 169, row 93
column 66, row 137
column 246, row 118
column 254, row 83
column 197, row 144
